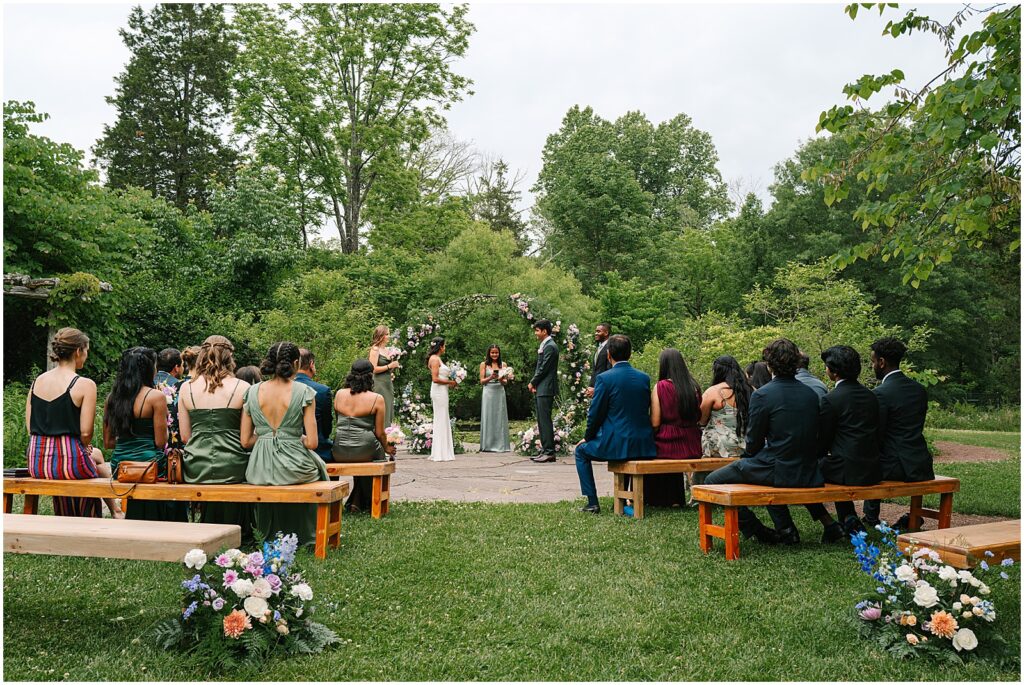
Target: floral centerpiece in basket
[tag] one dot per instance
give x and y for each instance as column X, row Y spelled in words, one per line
column 923, row 606
column 245, row 607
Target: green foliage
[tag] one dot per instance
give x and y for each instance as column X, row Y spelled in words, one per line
column 963, row 416
column 172, row 100
column 634, row 309
column 15, row 432
column 495, row 201
column 956, row 140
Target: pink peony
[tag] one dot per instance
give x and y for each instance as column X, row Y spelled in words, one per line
column 230, row 577
column 224, row 561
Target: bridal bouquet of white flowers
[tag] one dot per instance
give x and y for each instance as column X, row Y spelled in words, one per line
column 457, row 372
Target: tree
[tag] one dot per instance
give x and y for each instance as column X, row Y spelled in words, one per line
column 340, row 87
column 956, row 138
column 171, row 102
column 494, row 197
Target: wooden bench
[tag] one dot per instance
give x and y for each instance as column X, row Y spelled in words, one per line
column 965, row 546
column 93, row 537
column 380, row 471
column 633, row 472
column 733, row 496
column 326, row 495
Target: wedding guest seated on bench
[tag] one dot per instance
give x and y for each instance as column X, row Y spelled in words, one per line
column 781, row 448
column 675, row 417
column 618, row 423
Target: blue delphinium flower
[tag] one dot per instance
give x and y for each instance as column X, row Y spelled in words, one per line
column 1007, row 562
column 1003, row 575
column 190, row 610
column 892, row 598
column 277, row 615
column 984, row 565
column 880, row 590
column 192, row 584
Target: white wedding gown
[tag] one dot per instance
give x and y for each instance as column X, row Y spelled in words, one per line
column 443, row 446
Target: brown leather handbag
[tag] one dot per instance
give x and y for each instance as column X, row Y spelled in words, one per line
column 137, row 471
column 175, row 466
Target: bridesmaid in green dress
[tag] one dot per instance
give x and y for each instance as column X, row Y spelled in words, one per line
column 135, row 427
column 359, row 435
column 493, row 406
column 382, row 368
column 279, row 425
column 210, row 423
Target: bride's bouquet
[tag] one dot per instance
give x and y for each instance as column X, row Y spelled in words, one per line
column 506, row 372
column 457, row 372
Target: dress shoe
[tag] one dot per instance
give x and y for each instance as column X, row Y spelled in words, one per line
column 544, row 459
column 903, row 524
column 852, row 525
column 789, row 536
column 591, row 509
column 833, row 533
column 763, row 534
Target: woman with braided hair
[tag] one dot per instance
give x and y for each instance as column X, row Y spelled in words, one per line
column 279, row 426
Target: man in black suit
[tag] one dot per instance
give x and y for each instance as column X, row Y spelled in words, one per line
column 848, row 430
column 545, row 385
column 782, row 443
column 902, row 408
column 600, row 364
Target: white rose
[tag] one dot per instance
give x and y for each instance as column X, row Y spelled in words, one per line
column 965, row 576
column 242, row 587
column 261, row 588
column 965, row 639
column 947, row 573
column 967, row 614
column 925, row 596
column 957, row 606
column 975, row 582
column 255, row 606
column 984, row 589
column 965, row 599
column 978, row 611
column 905, row 573
column 303, row 592
column 233, row 553
column 195, row 558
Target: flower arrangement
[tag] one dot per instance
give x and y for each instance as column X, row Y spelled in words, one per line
column 245, row 607
column 528, row 442
column 457, row 372
column 392, row 352
column 415, row 415
column 426, row 330
column 507, row 373
column 922, row 606
column 394, row 434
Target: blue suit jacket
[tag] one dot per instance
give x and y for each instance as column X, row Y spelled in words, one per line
column 619, row 420
column 324, row 411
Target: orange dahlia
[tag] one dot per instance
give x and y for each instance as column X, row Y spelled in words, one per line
column 943, row 624
column 236, row 623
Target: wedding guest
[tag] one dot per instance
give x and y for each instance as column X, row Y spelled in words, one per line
column 902, row 408
column 210, row 422
column 758, row 374
column 168, row 366
column 359, row 435
column 135, row 427
column 383, row 368
column 804, row 375
column 442, row 446
column 493, row 406
column 600, row 363
column 675, row 417
column 724, row 410
column 60, row 412
column 618, row 422
column 781, row 448
column 189, row 356
column 249, row 374
column 848, row 430
column 324, row 414
column 544, row 385
column 279, row 426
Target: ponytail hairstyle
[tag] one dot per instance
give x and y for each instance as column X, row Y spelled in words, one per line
column 379, row 334
column 216, row 361
column 281, row 360
column 672, row 366
column 435, row 347
column 189, row 357
column 136, row 370
column 727, row 370
column 66, row 343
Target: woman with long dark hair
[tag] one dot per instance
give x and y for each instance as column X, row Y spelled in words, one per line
column 758, row 374
column 359, row 435
column 279, row 426
column 724, row 409
column 442, row 446
column 493, row 405
column 135, row 426
column 675, row 416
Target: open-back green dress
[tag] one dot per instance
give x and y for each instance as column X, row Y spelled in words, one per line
column 280, row 458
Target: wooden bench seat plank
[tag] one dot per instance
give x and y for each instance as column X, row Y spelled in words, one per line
column 318, row 492
column 965, row 546
column 362, row 468
column 760, row 495
column 107, row 538
column 662, row 466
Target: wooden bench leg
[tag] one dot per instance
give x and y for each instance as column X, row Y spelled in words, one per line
column 334, row 526
column 619, row 489
column 915, row 513
column 638, row 497
column 732, row 533
column 376, row 503
column 322, row 518
column 8, row 503
column 704, row 518
column 385, row 495
column 31, row 504
column 945, row 509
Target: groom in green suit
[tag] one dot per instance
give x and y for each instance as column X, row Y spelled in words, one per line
column 545, row 385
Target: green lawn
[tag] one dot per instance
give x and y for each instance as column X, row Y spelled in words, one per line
column 991, row 488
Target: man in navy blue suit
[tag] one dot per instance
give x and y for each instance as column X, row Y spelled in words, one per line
column 619, row 421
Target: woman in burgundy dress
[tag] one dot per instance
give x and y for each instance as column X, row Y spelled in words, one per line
column 675, row 416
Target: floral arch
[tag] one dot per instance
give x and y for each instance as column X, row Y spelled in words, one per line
column 573, row 363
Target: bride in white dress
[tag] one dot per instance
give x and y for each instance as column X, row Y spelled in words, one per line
column 443, row 446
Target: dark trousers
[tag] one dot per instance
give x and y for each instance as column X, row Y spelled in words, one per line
column 732, row 473
column 873, row 507
column 585, row 472
column 544, row 424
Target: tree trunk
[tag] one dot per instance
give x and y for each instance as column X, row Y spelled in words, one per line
column 352, row 211
column 340, row 221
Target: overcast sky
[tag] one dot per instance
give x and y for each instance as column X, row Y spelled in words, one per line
column 754, row 76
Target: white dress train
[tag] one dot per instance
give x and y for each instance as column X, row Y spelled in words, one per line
column 442, row 448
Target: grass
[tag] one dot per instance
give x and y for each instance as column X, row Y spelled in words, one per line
column 970, row 417
column 990, row 488
column 455, row 591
